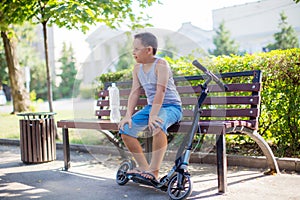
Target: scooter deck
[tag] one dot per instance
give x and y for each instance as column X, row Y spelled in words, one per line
column 137, row 178
column 140, row 179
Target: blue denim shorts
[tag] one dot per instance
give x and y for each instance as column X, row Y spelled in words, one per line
column 170, row 114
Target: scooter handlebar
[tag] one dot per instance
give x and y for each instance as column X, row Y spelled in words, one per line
column 210, row 74
column 199, row 66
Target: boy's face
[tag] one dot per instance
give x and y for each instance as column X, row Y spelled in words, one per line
column 140, row 52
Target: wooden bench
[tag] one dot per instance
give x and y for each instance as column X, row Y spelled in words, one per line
column 235, row 111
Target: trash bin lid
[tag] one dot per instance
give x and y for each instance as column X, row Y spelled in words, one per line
column 38, row 115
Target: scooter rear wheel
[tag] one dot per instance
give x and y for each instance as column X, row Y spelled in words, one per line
column 180, row 189
column 121, row 177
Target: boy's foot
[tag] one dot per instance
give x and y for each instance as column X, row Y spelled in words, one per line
column 134, row 171
column 150, row 175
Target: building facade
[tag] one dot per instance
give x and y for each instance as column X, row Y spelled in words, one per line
column 251, row 25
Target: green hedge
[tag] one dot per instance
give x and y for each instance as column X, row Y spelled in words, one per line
column 280, row 109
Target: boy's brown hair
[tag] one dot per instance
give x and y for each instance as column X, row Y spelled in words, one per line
column 148, row 39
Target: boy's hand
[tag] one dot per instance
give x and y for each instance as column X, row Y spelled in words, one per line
column 154, row 122
column 124, row 121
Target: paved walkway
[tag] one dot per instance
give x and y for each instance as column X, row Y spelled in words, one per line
column 93, row 177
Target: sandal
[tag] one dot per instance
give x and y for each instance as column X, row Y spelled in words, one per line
column 148, row 176
column 134, row 172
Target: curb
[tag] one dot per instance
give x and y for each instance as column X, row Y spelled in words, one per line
column 287, row 164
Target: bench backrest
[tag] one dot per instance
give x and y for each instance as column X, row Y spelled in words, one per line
column 240, row 102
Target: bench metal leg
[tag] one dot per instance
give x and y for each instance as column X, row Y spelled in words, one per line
column 221, row 163
column 265, row 148
column 66, row 148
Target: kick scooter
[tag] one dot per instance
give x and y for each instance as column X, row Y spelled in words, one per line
column 177, row 182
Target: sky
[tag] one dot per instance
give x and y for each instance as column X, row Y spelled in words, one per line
column 170, row 15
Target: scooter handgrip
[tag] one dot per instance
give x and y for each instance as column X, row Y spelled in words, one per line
column 199, row 66
column 219, row 82
column 209, row 73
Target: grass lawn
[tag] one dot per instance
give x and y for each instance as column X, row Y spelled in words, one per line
column 9, row 129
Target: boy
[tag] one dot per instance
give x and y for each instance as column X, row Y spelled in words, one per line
column 164, row 105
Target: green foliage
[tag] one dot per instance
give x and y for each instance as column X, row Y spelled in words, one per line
column 12, row 13
column 28, row 56
column 224, row 44
column 126, row 60
column 34, row 101
column 286, row 38
column 183, row 65
column 122, row 75
column 87, row 92
column 68, row 73
column 26, row 35
column 3, row 68
column 168, row 49
column 81, row 14
column 38, row 79
column 70, row 14
column 280, row 107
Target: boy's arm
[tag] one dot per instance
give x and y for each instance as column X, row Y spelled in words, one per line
column 134, row 93
column 132, row 99
column 162, row 71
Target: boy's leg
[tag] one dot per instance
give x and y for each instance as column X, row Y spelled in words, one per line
column 159, row 147
column 169, row 115
column 136, row 150
column 129, row 137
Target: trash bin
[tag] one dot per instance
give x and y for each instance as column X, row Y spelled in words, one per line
column 37, row 137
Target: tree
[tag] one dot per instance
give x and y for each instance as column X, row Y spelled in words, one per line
column 30, row 57
column 3, row 73
column 11, row 12
column 168, row 50
column 125, row 61
column 70, row 14
column 80, row 14
column 68, row 73
column 224, row 45
column 286, row 38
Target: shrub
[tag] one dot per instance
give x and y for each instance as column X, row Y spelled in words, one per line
column 280, row 107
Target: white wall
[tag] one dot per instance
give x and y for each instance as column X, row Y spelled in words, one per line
column 253, row 24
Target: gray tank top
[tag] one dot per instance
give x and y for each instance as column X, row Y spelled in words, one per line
column 149, row 80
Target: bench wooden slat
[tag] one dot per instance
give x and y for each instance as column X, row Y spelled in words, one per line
column 234, row 87
column 209, row 127
column 251, row 112
column 88, row 124
column 230, row 100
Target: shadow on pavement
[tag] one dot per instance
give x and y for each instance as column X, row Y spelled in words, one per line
column 91, row 178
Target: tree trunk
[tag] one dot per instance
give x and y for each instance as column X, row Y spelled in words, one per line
column 16, row 76
column 49, row 80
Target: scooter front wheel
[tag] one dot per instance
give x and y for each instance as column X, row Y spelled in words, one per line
column 121, row 177
column 180, row 187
